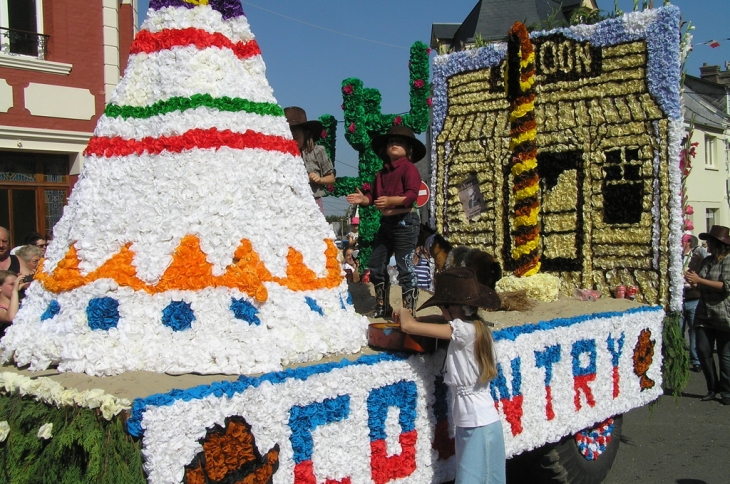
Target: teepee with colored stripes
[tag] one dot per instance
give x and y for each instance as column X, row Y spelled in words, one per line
column 191, row 242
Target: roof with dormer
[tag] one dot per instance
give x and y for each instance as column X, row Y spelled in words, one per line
column 493, row 18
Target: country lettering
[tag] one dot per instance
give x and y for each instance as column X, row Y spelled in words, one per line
column 511, row 401
column 615, row 347
column 583, row 374
column 546, row 359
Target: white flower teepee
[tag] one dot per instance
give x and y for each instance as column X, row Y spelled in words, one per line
column 191, row 242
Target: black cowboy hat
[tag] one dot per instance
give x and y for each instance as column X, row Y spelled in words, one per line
column 717, row 232
column 297, row 117
column 460, row 286
column 397, row 131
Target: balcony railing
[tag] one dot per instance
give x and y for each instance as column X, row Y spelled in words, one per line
column 20, row 42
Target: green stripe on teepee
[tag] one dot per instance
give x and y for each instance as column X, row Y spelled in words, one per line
column 225, row 103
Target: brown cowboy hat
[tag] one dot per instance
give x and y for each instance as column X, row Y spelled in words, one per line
column 717, row 232
column 397, row 131
column 460, row 286
column 297, row 117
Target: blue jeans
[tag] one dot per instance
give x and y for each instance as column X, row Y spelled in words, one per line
column 398, row 235
column 706, row 338
column 688, row 322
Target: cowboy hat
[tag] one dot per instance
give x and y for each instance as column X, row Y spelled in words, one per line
column 717, row 232
column 459, row 286
column 379, row 142
column 297, row 117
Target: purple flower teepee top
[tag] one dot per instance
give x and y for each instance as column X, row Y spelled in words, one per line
column 229, row 8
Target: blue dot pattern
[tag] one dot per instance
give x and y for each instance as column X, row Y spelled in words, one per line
column 178, row 315
column 102, row 313
column 314, row 306
column 245, row 311
column 52, row 309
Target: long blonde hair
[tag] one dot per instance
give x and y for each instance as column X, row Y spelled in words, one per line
column 484, row 350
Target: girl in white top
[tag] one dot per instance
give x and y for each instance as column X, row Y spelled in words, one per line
column 470, row 366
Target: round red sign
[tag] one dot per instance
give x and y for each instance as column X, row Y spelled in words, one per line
column 423, row 195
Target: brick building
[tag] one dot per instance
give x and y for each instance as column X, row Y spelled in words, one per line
column 59, row 63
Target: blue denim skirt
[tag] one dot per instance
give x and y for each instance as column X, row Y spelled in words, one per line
column 480, row 455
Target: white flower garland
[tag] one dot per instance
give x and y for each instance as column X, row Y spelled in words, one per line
column 50, row 392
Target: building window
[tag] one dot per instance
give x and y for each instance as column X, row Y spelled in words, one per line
column 710, row 216
column 623, row 186
column 33, row 191
column 21, row 28
column 710, row 151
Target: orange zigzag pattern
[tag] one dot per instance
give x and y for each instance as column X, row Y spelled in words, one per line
column 190, row 270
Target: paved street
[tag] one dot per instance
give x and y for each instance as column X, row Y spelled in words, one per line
column 687, row 442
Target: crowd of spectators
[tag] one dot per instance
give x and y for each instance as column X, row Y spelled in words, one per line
column 17, row 268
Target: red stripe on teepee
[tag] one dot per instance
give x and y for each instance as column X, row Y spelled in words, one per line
column 149, row 42
column 193, row 139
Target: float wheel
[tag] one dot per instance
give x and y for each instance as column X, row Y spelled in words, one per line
column 584, row 458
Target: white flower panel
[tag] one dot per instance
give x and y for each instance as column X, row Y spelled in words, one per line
column 289, row 331
column 221, row 196
column 177, row 123
column 184, row 71
column 203, row 17
column 341, row 449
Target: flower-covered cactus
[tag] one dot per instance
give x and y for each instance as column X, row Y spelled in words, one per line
column 328, row 137
column 364, row 120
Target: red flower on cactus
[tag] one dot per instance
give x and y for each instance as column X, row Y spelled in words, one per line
column 428, row 51
column 398, row 120
column 330, row 188
column 688, row 210
column 351, row 128
column 688, row 225
column 347, row 89
column 323, row 134
column 418, row 83
column 342, row 106
column 366, row 187
column 429, row 101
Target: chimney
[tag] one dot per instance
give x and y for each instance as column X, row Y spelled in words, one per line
column 710, row 73
column 724, row 76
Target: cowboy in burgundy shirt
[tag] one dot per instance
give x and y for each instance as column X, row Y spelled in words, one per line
column 397, row 179
column 394, row 194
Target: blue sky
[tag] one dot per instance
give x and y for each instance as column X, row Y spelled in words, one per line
column 310, row 46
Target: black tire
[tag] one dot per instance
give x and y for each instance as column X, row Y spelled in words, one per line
column 563, row 462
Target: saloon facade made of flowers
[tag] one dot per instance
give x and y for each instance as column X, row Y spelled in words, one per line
column 608, row 124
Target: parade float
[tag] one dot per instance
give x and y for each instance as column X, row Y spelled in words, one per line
column 173, row 258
